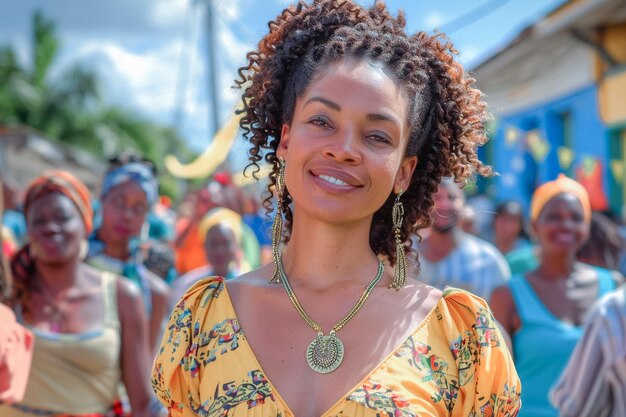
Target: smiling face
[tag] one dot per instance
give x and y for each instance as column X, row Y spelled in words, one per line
column 448, row 207
column 344, row 148
column 55, row 228
column 124, row 211
column 561, row 225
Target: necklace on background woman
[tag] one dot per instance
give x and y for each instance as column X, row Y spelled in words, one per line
column 325, row 352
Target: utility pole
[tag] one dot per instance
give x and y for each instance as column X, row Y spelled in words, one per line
column 211, row 44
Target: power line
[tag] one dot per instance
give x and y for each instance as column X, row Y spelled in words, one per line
column 472, row 16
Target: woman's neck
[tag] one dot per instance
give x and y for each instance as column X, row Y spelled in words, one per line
column 320, row 255
column 556, row 266
column 117, row 250
column 57, row 278
column 505, row 243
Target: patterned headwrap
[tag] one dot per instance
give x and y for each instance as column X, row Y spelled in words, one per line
column 132, row 172
column 23, row 263
column 546, row 192
column 65, row 183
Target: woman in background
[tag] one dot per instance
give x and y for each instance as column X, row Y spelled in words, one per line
column 90, row 327
column 543, row 310
column 129, row 189
column 221, row 233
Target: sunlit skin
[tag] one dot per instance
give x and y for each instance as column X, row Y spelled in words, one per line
column 124, row 211
column 507, row 228
column 221, row 249
column 565, row 286
column 561, row 228
column 55, row 229
column 345, row 155
column 448, row 206
column 347, row 152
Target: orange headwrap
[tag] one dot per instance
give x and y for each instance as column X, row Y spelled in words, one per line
column 546, row 192
column 66, row 184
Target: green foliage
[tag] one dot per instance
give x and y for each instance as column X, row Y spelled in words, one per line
column 69, row 107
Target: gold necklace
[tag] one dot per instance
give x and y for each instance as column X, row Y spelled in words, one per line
column 325, row 352
column 54, row 308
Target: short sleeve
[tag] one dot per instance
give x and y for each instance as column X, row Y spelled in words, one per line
column 178, row 369
column 488, row 382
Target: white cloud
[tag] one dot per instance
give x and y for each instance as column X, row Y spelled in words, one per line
column 433, row 20
column 229, row 10
column 145, row 80
column 169, row 13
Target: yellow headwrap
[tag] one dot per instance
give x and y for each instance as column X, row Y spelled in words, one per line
column 217, row 216
column 546, row 192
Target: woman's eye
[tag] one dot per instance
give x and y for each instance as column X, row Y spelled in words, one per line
column 380, row 138
column 319, row 121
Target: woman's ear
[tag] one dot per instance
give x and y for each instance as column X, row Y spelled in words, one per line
column 404, row 174
column 284, row 141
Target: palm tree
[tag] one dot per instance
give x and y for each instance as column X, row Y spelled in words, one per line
column 68, row 107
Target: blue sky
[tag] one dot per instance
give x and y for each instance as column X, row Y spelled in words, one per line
column 139, row 46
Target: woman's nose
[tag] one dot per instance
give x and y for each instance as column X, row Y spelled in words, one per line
column 344, row 148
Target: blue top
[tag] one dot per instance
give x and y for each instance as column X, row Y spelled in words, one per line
column 543, row 344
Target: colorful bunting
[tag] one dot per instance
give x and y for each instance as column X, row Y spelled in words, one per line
column 617, row 168
column 566, row 157
column 539, row 148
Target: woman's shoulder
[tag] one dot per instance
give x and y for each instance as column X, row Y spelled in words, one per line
column 461, row 310
column 200, row 295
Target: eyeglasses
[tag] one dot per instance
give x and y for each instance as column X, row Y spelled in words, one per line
column 119, row 203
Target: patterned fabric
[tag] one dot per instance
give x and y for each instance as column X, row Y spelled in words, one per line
column 453, row 364
column 475, row 265
column 594, row 382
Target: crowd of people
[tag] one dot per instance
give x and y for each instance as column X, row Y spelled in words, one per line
column 356, row 284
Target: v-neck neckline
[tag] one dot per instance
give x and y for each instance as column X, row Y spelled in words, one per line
column 544, row 308
column 367, row 376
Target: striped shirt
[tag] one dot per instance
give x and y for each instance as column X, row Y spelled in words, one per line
column 594, row 382
column 475, row 265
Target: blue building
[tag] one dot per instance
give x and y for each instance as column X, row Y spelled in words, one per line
column 558, row 96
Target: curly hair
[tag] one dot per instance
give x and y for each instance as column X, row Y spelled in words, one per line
column 446, row 113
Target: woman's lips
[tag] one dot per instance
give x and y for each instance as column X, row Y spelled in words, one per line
column 122, row 230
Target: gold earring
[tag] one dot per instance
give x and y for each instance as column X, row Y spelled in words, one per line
column 84, row 249
column 277, row 225
column 397, row 214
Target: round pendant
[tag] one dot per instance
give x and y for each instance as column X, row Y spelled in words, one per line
column 325, row 353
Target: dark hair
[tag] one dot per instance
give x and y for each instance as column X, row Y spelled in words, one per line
column 512, row 208
column 605, row 244
column 129, row 156
column 445, row 112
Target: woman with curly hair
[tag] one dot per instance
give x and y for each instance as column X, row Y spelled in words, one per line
column 359, row 121
column 89, row 327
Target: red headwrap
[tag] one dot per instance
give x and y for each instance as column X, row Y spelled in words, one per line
column 67, row 184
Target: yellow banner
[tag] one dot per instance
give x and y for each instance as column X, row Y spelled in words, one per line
column 212, row 156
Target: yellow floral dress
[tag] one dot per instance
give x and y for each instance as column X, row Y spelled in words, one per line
column 454, row 364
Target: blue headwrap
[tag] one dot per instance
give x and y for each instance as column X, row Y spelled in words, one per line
column 137, row 173
column 132, row 268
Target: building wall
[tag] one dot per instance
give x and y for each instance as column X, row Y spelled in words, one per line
column 533, row 73
column 570, row 125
